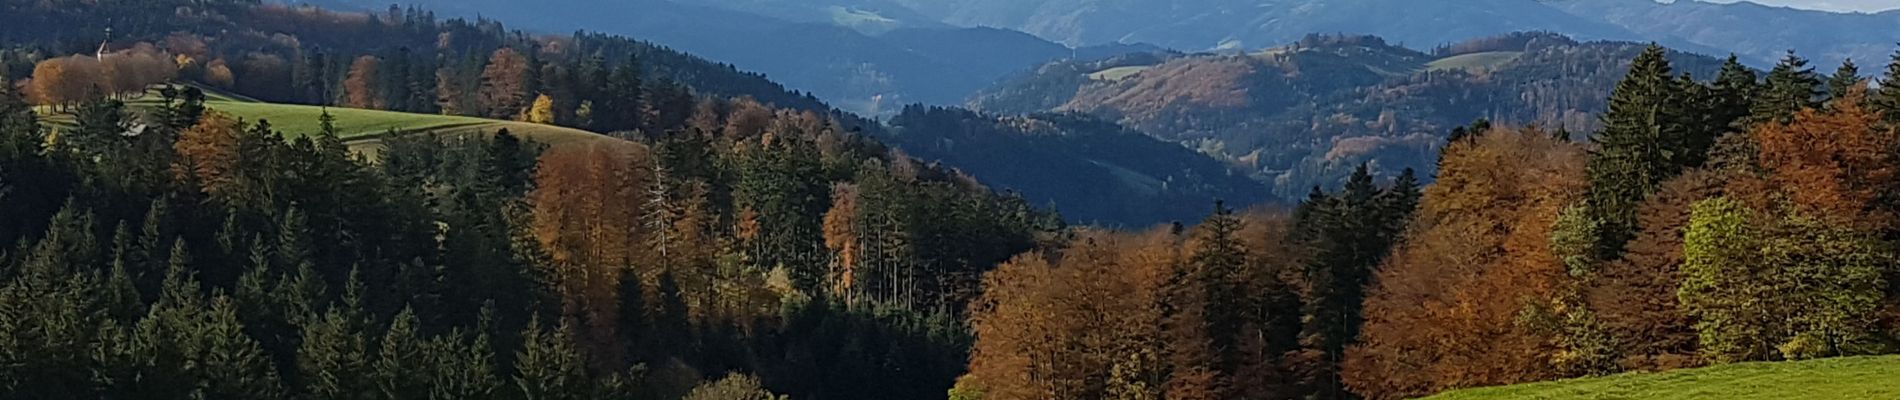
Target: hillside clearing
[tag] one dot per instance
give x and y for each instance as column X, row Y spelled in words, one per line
column 1118, row 73
column 1837, row 378
column 361, row 128
column 1473, row 61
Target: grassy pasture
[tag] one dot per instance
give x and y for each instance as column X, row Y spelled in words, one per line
column 1836, row 378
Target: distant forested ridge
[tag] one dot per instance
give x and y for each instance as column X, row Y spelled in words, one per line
column 1307, row 113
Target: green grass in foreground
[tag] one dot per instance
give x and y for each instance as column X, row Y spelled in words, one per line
column 362, row 128
column 1856, row 378
column 1472, row 61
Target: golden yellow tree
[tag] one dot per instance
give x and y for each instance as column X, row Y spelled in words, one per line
column 542, row 112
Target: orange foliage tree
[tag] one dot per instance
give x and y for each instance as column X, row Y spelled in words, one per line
column 1140, row 316
column 208, row 154
column 359, row 86
column 1444, row 310
column 65, row 81
column 504, row 90
column 587, row 218
column 1834, row 163
column 841, row 236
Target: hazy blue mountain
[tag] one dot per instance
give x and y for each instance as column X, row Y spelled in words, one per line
column 1209, row 24
column 853, row 53
column 1759, row 33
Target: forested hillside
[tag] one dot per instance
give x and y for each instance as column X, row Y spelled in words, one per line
column 728, row 239
column 1745, row 219
column 1094, row 171
column 1307, row 113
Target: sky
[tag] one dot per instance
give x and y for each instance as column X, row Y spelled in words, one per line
column 1830, row 5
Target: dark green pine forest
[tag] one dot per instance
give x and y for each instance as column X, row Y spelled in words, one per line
column 722, row 238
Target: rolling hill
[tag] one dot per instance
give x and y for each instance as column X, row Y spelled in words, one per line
column 1838, row 378
column 363, row 128
column 1306, row 113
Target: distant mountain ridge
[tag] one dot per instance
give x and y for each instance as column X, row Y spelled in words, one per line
column 864, row 56
column 1760, row 34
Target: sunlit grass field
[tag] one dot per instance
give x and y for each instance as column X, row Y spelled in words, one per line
column 362, row 128
column 1856, row 378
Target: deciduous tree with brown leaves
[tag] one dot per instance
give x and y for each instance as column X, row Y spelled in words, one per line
column 1443, row 311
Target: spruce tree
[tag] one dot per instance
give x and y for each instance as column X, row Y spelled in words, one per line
column 1735, row 89
column 1887, row 100
column 234, row 365
column 1790, row 87
column 402, row 369
column 549, row 365
column 333, row 360
column 1219, row 258
column 620, row 103
column 1845, row 79
column 1639, row 147
column 1399, row 202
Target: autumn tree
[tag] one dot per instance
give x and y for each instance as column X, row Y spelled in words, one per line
column 592, row 235
column 842, row 237
column 65, row 81
column 1101, row 304
column 207, row 154
column 1443, row 310
column 361, row 87
column 505, row 84
column 541, row 112
column 1635, row 296
column 1832, row 164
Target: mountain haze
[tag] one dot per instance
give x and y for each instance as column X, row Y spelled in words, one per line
column 860, row 58
column 1760, row 34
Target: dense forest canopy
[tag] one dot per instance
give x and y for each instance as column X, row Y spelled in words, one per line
column 736, row 241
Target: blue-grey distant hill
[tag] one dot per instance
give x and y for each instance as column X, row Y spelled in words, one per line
column 852, row 53
column 1760, row 34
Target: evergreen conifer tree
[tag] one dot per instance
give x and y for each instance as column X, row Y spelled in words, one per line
column 1887, row 100
column 1790, row 87
column 1844, row 79
column 1639, row 147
